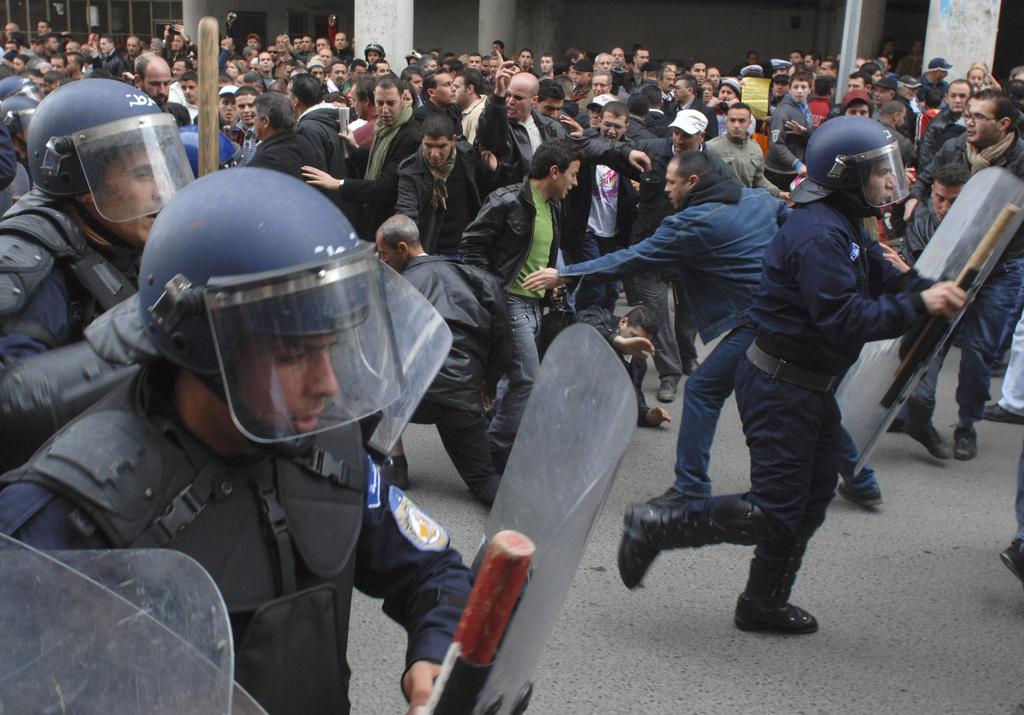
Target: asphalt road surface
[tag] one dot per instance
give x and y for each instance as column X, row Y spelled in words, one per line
column 916, row 612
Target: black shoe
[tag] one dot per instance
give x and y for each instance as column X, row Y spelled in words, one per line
column 485, row 490
column 753, row 614
column 396, row 471
column 868, row 497
column 636, row 554
column 1013, row 558
column 965, row 445
column 670, row 496
column 995, row 413
column 929, row 438
column 690, row 366
column 667, row 389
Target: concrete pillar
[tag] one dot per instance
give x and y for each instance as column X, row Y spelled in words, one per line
column 195, row 10
column 963, row 32
column 386, row 22
column 497, row 21
column 872, row 25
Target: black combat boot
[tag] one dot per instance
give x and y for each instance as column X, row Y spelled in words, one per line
column 653, row 527
column 764, row 606
column 918, row 426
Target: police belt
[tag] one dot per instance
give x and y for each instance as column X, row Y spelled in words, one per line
column 784, row 371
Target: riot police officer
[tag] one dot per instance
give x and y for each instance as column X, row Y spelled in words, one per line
column 103, row 159
column 242, row 444
column 826, row 289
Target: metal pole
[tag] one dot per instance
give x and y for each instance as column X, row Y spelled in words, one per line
column 851, row 36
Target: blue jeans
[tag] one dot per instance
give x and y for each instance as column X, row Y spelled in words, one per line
column 981, row 334
column 595, row 290
column 1020, row 496
column 514, row 388
column 704, row 393
column 848, row 456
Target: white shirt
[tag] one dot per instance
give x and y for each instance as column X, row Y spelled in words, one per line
column 604, row 204
column 533, row 131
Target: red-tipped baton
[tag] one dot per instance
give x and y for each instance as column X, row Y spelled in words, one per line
column 498, row 586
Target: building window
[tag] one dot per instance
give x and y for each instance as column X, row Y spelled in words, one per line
column 120, row 18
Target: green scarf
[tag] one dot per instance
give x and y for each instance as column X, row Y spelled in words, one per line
column 383, row 135
column 439, row 196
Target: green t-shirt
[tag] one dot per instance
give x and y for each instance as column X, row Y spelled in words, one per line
column 540, row 246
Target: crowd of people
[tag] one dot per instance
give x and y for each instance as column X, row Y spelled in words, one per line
column 516, row 192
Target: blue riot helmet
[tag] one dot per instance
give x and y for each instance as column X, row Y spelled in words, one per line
column 16, row 112
column 280, row 306
column 227, row 149
column 854, row 155
column 22, row 86
column 107, row 138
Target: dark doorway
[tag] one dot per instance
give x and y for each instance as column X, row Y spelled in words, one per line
column 252, row 22
column 1009, row 50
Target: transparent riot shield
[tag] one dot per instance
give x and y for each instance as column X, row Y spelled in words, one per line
column 423, row 340
column 578, row 422
column 868, row 398
column 125, row 631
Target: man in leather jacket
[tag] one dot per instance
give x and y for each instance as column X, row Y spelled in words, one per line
column 241, row 444
column 473, row 305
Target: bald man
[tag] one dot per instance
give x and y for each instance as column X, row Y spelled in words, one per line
column 511, row 127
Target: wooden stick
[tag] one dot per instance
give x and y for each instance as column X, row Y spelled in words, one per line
column 209, row 104
column 936, row 325
column 494, row 596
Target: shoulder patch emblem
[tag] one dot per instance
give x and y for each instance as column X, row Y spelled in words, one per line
column 854, row 251
column 372, row 483
column 416, row 526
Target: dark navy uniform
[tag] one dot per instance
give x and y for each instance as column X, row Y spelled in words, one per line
column 285, row 538
column 826, row 290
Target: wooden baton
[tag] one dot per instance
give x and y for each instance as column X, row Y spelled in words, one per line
column 935, row 327
column 488, row 611
column 209, row 101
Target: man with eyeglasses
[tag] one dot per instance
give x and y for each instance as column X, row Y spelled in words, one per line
column 989, row 140
column 511, row 127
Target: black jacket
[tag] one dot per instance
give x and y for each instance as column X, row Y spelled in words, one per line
column 115, row 64
column 499, row 238
column 320, row 126
column 654, row 205
column 415, row 187
column 473, row 306
column 287, row 152
column 509, row 141
column 379, row 196
column 428, row 108
column 606, row 323
column 579, row 201
column 954, row 151
column 944, row 127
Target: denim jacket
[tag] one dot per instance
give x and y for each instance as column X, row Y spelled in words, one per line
column 715, row 245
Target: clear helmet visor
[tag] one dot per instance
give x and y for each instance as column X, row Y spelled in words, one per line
column 308, row 351
column 133, row 166
column 883, row 179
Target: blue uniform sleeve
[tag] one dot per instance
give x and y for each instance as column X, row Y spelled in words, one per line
column 46, row 312
column 36, row 516
column 405, row 557
column 8, row 159
column 827, row 273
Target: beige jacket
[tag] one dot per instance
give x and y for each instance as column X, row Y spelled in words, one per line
column 745, row 159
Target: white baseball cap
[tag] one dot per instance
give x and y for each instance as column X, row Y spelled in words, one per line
column 690, row 121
